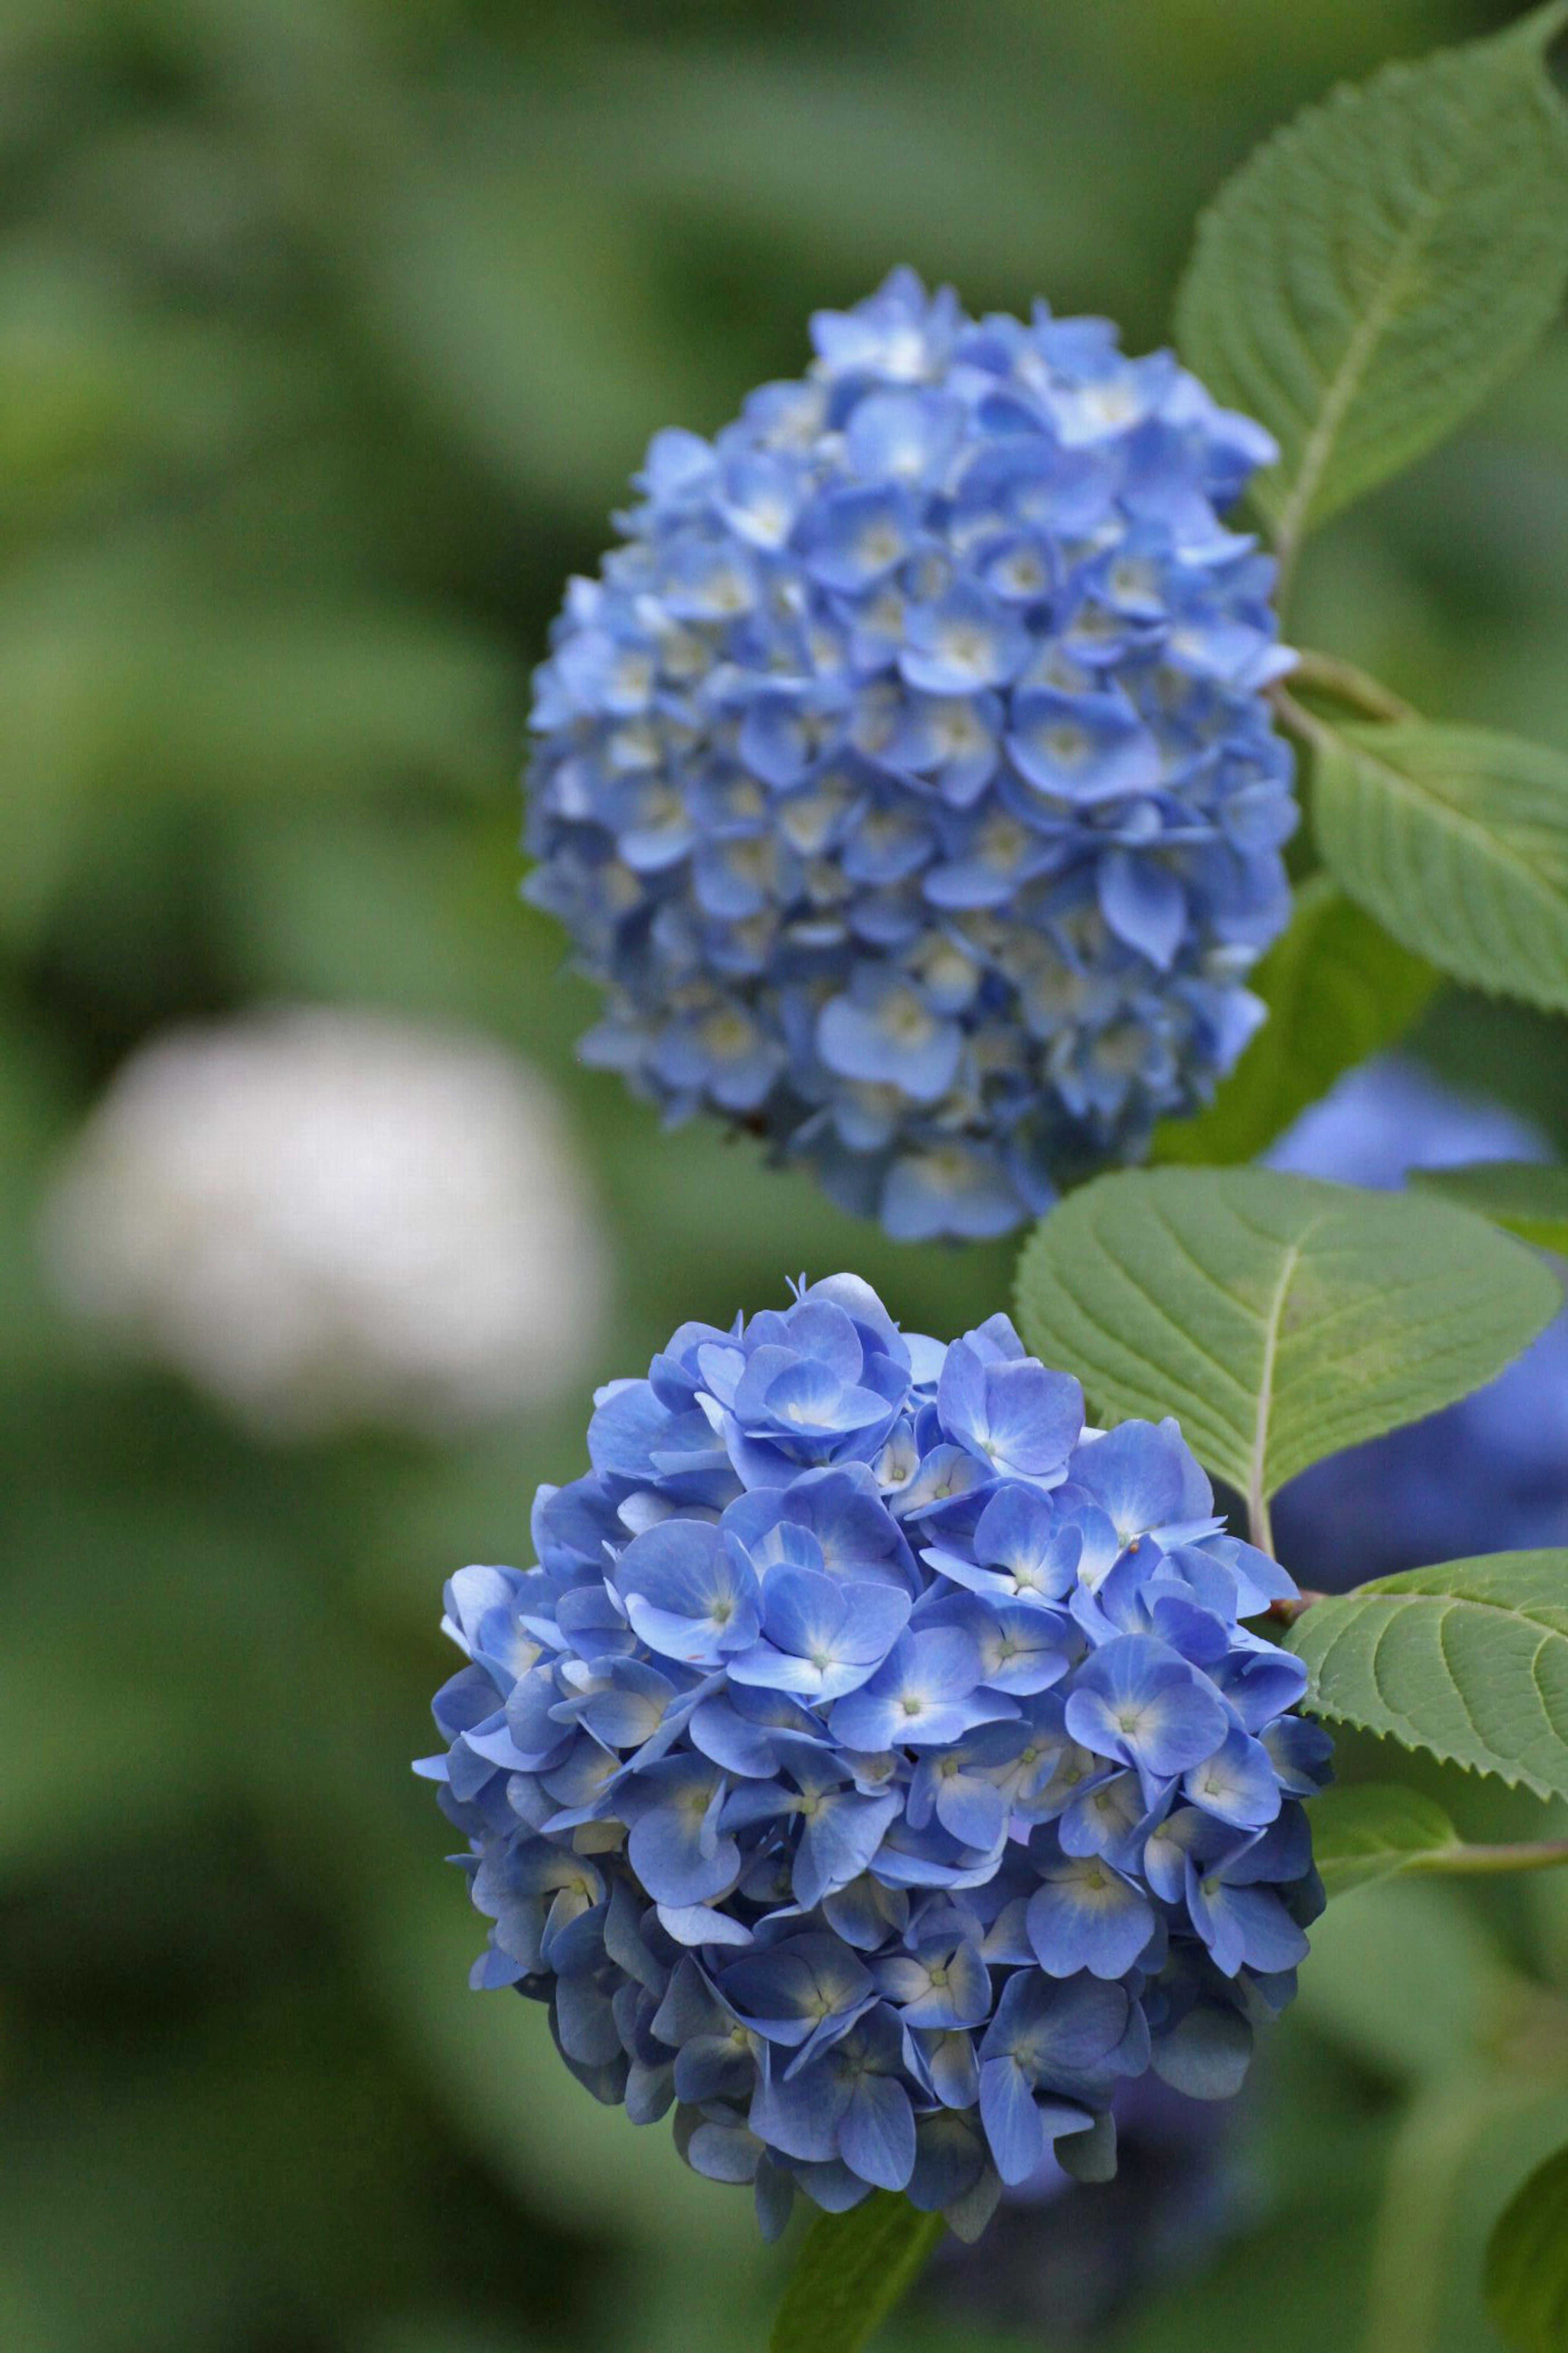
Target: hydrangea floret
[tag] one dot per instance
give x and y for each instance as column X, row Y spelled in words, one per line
column 907, row 777
column 876, row 1767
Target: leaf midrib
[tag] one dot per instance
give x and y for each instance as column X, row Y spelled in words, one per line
column 1496, row 843
column 1257, row 1461
column 1343, row 386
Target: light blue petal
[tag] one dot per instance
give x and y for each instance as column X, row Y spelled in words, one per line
column 877, row 2132
column 677, row 1860
column 1085, row 1918
column 1013, row 2124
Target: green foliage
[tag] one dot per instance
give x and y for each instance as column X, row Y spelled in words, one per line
column 1277, row 1318
column 851, row 2270
column 1407, row 1977
column 1338, row 989
column 1463, row 2139
column 1527, row 2261
column 1457, row 840
column 1381, row 264
column 1468, row 1662
column 1527, row 1197
column 1371, row 1830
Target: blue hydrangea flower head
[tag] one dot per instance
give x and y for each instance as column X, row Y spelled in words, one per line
column 876, row 1767
column 907, row 777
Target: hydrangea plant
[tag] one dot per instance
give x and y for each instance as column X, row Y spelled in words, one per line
column 881, row 1764
column 875, row 1767
column 907, row 776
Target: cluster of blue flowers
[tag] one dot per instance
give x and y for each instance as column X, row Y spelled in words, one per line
column 907, row 778
column 875, row 1767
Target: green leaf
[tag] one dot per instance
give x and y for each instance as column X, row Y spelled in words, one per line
column 1381, row 264
column 1372, row 1829
column 1527, row 2261
column 1529, row 1196
column 1457, row 840
column 1338, row 989
column 851, row 2270
column 1279, row 1318
column 1468, row 1661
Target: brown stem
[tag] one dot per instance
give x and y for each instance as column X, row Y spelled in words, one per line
column 1285, row 1613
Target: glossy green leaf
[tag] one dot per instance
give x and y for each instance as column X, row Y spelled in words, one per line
column 1381, row 264
column 1338, row 989
column 1529, row 1196
column 1468, row 1661
column 1372, row 1829
column 1527, row 2261
column 850, row 2272
column 1455, row 839
column 1279, row 1318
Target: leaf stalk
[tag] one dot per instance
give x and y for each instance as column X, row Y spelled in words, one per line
column 1345, row 683
column 1524, row 1854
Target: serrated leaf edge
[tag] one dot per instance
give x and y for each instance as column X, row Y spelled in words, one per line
column 1294, row 512
column 1521, row 1777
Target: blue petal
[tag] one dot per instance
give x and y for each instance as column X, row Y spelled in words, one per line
column 1085, row 1918
column 890, row 1037
column 964, row 641
column 877, row 2132
column 680, row 1573
column 855, row 536
column 737, row 1729
column 1137, row 1473
column 1054, row 2028
column 629, row 1420
column 1206, row 2054
column 1237, row 1783
column 907, row 434
column 675, row 1846
column 839, row 1839
column 1143, row 903
column 1018, row 1531
column 962, row 1190
column 1246, row 1926
column 950, row 2158
column 974, row 1811
column 942, row 1664
column 875, row 1615
column 801, row 2118
column 1137, row 1700
column 1081, row 748
column 774, row 2200
column 804, row 1611
column 723, row 2152
column 1012, row 2124
column 585, row 2022
column 951, row 2066
column 1034, row 1418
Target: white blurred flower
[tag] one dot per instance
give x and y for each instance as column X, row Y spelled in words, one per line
column 330, row 1217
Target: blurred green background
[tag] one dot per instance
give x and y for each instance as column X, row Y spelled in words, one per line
column 329, row 332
